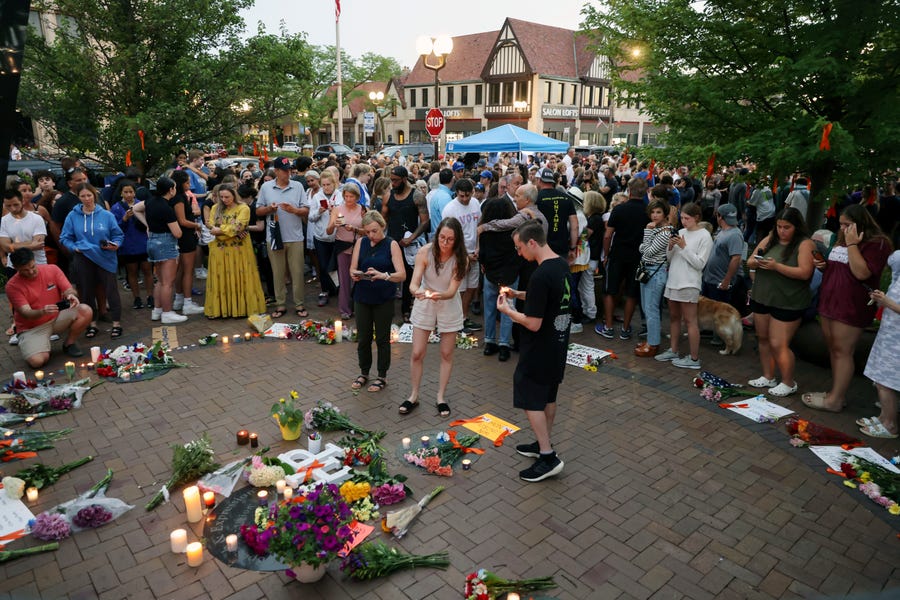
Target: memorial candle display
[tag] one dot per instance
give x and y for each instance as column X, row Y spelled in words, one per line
column 406, row 443
column 225, row 340
column 425, row 441
column 254, row 440
column 466, row 464
column 195, row 554
column 39, row 376
column 70, row 369
column 263, row 497
column 32, row 494
column 338, row 331
column 248, row 336
column 19, row 377
column 178, row 540
column 231, row 542
column 209, row 500
column 288, row 492
column 95, row 353
column 279, row 485
column 192, row 504
column 243, row 437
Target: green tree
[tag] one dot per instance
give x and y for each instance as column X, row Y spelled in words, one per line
column 758, row 80
column 115, row 67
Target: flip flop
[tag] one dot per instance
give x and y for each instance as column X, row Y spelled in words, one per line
column 816, row 401
column 866, row 421
column 91, row 331
column 278, row 313
column 878, row 430
column 116, row 332
column 301, row 312
column 809, row 396
column 443, row 409
column 359, row 382
column 377, row 385
column 407, row 407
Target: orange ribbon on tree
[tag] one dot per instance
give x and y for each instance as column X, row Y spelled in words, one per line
column 128, row 158
column 141, row 135
column 456, row 445
column 711, row 165
column 825, row 143
column 775, row 185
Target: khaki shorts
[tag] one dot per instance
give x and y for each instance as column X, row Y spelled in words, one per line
column 37, row 340
column 443, row 316
column 687, row 295
column 470, row 281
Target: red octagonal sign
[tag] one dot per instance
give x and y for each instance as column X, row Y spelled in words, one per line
column 434, row 122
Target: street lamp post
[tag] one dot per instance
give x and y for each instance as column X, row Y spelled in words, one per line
column 377, row 99
column 439, row 48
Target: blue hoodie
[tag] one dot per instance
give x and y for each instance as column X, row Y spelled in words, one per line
column 85, row 232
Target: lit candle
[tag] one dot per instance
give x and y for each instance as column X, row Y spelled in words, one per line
column 254, row 440
column 95, row 353
column 243, row 437
column 406, row 443
column 231, row 542
column 225, row 340
column 512, row 596
column 428, row 294
column 209, row 499
column 195, row 554
column 29, row 421
column 178, row 540
column 19, row 376
column 192, row 504
column 338, row 332
column 466, row 464
column 248, row 336
column 70, row 369
column 288, row 492
column 9, row 433
column 38, row 376
column 279, row 485
column 263, row 497
column 236, row 338
column 32, row 494
column 425, row 441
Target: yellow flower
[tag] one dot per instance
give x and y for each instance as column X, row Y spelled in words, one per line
column 281, row 400
column 849, row 484
column 294, row 394
column 894, row 509
column 865, row 477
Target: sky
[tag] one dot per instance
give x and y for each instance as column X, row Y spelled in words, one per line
column 390, row 28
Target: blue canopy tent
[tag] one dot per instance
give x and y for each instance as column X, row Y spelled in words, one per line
column 507, row 138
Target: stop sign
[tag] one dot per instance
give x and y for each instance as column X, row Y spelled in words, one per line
column 434, row 122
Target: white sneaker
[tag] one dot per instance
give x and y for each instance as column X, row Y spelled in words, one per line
column 782, row 389
column 762, row 382
column 686, row 362
column 189, row 308
column 14, row 339
column 54, row 337
column 666, row 356
column 156, row 314
column 179, row 302
column 200, row 273
column 173, row 317
column 576, row 328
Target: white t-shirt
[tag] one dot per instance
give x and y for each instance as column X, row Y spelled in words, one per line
column 468, row 216
column 24, row 230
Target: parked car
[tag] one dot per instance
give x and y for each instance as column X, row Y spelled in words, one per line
column 410, row 150
column 326, row 150
column 291, row 147
column 243, row 162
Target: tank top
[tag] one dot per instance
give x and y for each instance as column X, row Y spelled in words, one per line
column 434, row 280
column 351, row 217
column 403, row 215
column 378, row 257
column 775, row 290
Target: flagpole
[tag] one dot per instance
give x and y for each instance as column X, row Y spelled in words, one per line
column 340, row 85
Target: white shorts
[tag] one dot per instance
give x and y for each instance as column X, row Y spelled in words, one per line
column 442, row 316
column 687, row 295
column 470, row 280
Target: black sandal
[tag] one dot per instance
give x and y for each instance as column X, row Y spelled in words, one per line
column 359, row 382
column 301, row 312
column 443, row 409
column 91, row 331
column 377, row 385
column 407, row 407
column 278, row 313
column 116, row 332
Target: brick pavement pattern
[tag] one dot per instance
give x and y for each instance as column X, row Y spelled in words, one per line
column 662, row 496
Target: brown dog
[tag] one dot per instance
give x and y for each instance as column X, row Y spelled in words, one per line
column 723, row 319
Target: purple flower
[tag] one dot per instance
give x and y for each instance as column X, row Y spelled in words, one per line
column 387, row 494
column 92, row 516
column 50, row 526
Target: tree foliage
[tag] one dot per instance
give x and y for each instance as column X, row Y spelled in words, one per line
column 757, row 80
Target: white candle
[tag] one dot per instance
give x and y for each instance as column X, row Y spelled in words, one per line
column 231, row 542
column 39, row 376
column 19, row 376
column 288, row 493
column 32, row 494
column 178, row 540
column 263, row 497
column 209, row 500
column 512, row 596
column 406, row 443
column 279, row 485
column 338, row 332
column 95, row 353
column 193, row 504
column 225, row 340
column 195, row 554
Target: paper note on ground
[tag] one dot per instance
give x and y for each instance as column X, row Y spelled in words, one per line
column 14, row 517
column 406, row 334
column 833, row 456
column 490, row 426
column 578, row 355
column 167, row 335
column 278, row 330
column 757, row 407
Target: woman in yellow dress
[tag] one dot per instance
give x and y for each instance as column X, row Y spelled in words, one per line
column 233, row 288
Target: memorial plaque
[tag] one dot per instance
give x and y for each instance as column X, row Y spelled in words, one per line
column 226, row 518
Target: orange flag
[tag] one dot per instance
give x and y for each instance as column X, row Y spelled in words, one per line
column 711, row 165
column 825, row 143
column 141, row 135
column 128, row 158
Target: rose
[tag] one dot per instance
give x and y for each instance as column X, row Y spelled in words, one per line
column 14, row 487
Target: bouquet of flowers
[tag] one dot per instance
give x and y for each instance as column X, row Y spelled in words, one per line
column 311, row 528
column 361, row 449
column 265, row 475
column 429, row 459
column 397, row 522
column 7, row 418
column 385, row 488
column 325, row 416
column 90, row 510
column 376, row 559
column 485, row 585
column 465, row 342
column 127, row 361
column 715, row 389
column 189, row 461
column 30, row 399
column 40, row 475
column 881, row 485
column 25, row 443
column 812, row 433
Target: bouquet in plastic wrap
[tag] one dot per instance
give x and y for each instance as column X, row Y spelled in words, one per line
column 818, row 435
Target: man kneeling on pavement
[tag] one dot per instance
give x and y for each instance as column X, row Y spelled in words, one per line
column 44, row 303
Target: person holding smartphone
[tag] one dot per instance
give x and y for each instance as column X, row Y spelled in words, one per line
column 320, row 205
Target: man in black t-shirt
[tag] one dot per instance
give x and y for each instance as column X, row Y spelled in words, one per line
column 61, row 210
column 544, row 343
column 559, row 209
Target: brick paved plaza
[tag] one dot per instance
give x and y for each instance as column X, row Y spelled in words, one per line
column 662, row 496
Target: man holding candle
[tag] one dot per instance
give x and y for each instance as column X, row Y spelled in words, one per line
column 544, row 342
column 39, row 295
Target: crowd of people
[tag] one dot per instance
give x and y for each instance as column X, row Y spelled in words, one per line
column 438, row 237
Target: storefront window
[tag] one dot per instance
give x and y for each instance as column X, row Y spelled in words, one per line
column 494, row 93
column 507, row 92
column 464, row 95
column 478, row 96
column 522, row 91
column 412, row 98
column 451, row 101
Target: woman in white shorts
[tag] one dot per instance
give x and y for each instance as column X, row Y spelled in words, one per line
column 439, row 269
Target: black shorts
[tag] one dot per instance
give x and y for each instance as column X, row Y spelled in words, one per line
column 531, row 395
column 619, row 272
column 785, row 315
column 129, row 259
column 188, row 241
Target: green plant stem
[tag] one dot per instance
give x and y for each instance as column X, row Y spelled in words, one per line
column 6, row 555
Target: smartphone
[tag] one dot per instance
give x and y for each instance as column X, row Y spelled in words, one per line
column 818, row 256
column 104, row 243
column 62, row 304
column 759, row 257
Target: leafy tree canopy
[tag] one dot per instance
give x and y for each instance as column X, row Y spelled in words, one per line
column 758, row 80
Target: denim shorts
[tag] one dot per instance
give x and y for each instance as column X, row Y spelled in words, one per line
column 161, row 246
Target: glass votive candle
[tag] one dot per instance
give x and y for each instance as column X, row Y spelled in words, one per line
column 425, row 441
column 231, row 542
column 209, row 500
column 406, row 443
column 31, row 494
column 288, row 492
column 263, row 497
column 279, row 486
column 254, row 440
column 466, row 464
column 248, row 336
column 243, row 437
column 178, row 541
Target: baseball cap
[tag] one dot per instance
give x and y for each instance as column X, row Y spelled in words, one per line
column 729, row 213
column 283, row 163
column 400, row 172
column 224, row 163
column 458, row 166
column 312, row 173
column 479, row 187
column 487, row 174
column 546, row 175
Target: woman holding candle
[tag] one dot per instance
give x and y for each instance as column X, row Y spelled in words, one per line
column 345, row 223
column 439, row 269
column 233, row 287
column 377, row 268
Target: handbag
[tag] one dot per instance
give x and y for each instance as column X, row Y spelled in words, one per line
column 642, row 275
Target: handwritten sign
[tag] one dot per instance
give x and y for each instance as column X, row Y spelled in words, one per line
column 757, row 408
column 14, row 517
column 490, row 426
column 167, row 335
column 279, row 330
column 833, row 456
column 578, row 355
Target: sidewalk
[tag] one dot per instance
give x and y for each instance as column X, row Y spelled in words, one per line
column 662, row 496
